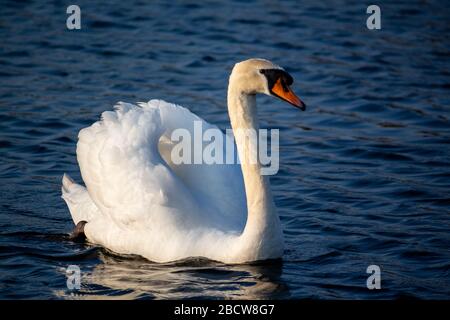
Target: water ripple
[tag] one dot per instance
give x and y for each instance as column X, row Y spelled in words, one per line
column 364, row 173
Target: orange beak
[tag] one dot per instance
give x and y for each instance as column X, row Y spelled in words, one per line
column 285, row 93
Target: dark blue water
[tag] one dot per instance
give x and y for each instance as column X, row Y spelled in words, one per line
column 364, row 172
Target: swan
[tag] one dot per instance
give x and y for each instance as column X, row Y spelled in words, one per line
column 137, row 201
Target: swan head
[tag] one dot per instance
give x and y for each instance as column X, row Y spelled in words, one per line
column 254, row 76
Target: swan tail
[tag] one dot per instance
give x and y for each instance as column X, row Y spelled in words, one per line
column 67, row 182
column 77, row 198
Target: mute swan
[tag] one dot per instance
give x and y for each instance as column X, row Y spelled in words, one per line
column 136, row 201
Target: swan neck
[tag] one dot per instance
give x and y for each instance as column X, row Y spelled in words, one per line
column 262, row 219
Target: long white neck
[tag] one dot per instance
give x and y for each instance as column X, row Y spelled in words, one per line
column 262, row 236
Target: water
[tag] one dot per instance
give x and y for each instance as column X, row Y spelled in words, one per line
column 364, row 173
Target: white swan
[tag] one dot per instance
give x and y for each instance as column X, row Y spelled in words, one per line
column 136, row 201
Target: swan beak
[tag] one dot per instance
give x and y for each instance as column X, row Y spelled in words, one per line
column 285, row 93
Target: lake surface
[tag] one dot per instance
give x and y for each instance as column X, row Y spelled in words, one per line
column 364, row 173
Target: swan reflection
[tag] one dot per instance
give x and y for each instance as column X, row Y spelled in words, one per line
column 130, row 277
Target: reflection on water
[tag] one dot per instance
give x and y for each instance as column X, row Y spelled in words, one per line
column 364, row 172
column 133, row 277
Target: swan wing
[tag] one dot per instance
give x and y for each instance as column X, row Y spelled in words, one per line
column 124, row 174
column 135, row 189
column 218, row 186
